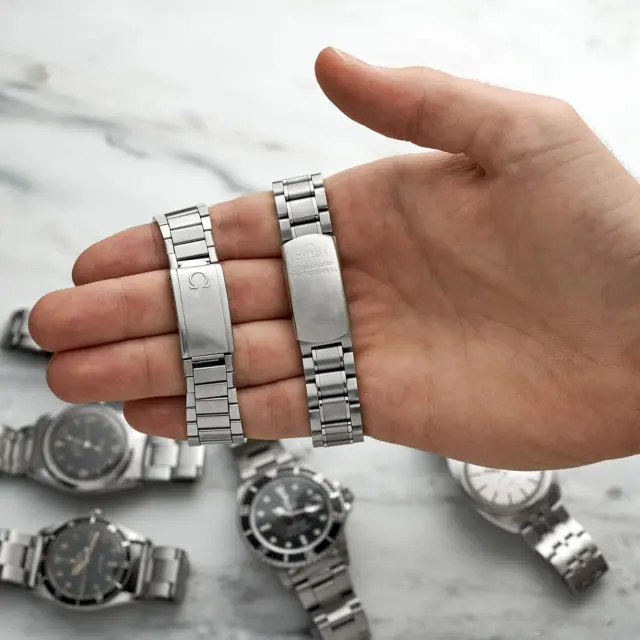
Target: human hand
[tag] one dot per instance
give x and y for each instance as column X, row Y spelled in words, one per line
column 493, row 287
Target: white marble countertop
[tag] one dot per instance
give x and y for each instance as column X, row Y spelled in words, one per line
column 110, row 112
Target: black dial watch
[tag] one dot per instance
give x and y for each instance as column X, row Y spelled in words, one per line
column 91, row 563
column 91, row 449
column 293, row 518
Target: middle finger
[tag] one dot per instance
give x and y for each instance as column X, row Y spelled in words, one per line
column 142, row 305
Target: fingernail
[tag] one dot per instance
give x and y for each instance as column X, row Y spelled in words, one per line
column 345, row 56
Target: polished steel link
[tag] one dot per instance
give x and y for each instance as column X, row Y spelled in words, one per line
column 326, row 592
column 206, row 337
column 17, row 337
column 16, row 449
column 319, row 310
column 256, row 457
column 175, row 460
column 564, row 543
column 164, row 573
column 18, row 553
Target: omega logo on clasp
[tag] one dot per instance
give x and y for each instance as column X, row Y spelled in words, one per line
column 198, row 283
column 310, row 251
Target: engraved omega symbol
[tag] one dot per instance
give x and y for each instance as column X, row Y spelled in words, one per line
column 310, row 251
column 196, row 282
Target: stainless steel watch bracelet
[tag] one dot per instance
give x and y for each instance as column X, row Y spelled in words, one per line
column 16, row 450
column 163, row 573
column 17, row 337
column 17, row 555
column 325, row 590
column 564, row 543
column 172, row 460
column 256, row 457
column 204, row 323
column 319, row 310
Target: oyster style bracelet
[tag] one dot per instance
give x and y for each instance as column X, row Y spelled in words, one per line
column 204, row 322
column 17, row 337
column 319, row 310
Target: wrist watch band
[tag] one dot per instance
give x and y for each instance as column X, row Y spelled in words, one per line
column 171, row 460
column 17, row 337
column 326, row 592
column 319, row 310
column 163, row 573
column 16, row 450
column 17, row 554
column 324, row 588
column 204, row 322
column 564, row 543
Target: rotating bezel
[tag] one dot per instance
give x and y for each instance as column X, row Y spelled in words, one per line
column 338, row 512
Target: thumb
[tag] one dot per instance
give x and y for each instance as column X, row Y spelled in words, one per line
column 427, row 107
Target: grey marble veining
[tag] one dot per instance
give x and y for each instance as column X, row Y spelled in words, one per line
column 111, row 112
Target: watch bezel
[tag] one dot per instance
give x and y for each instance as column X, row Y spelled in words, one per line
column 97, row 602
column 337, row 517
column 512, row 509
column 91, row 485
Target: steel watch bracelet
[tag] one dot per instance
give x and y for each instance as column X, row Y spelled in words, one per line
column 256, row 457
column 172, row 460
column 206, row 335
column 18, row 554
column 319, row 310
column 16, row 450
column 163, row 573
column 565, row 544
column 17, row 337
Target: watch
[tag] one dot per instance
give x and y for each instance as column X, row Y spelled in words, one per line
column 16, row 336
column 530, row 503
column 292, row 518
column 204, row 323
column 90, row 563
column 319, row 310
column 91, row 449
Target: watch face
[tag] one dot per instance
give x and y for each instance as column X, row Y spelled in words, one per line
column 503, row 488
column 86, row 444
column 86, row 562
column 291, row 516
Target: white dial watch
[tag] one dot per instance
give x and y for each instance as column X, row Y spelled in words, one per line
column 530, row 503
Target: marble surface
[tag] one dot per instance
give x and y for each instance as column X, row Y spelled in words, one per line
column 110, row 112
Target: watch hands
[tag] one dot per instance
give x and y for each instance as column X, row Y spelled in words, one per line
column 88, row 552
column 307, row 509
column 85, row 444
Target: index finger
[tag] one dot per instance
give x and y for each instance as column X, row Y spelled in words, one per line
column 243, row 228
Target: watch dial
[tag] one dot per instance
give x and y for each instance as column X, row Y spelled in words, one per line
column 291, row 513
column 85, row 563
column 503, row 487
column 87, row 444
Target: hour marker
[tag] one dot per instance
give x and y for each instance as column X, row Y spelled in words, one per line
column 64, row 545
column 303, row 539
column 59, row 574
column 288, row 544
column 309, row 492
column 273, row 539
column 533, row 480
column 112, row 564
column 59, row 443
column 524, row 493
column 67, row 584
column 295, row 486
column 83, row 473
column 494, row 496
column 260, row 513
column 266, row 499
column 115, row 448
column 510, row 498
column 481, row 488
column 316, row 532
column 265, row 527
column 322, row 517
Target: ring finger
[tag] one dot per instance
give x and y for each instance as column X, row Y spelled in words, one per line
column 152, row 367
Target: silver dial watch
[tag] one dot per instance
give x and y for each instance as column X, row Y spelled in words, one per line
column 91, row 449
column 90, row 563
column 319, row 310
column 16, row 336
column 530, row 503
column 292, row 518
column 204, row 322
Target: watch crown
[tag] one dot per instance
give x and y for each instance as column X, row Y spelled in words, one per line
column 347, row 496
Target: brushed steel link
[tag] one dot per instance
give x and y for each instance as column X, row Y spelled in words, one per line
column 166, row 460
column 18, row 553
column 165, row 571
column 16, row 450
column 565, row 544
column 256, row 457
column 16, row 335
column 206, row 336
column 333, row 400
